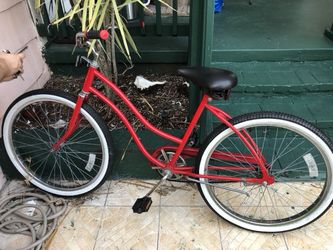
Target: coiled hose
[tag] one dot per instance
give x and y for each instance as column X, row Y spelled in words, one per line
column 31, row 213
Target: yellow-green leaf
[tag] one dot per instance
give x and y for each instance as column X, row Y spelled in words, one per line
column 96, row 13
column 74, row 10
column 59, row 20
column 91, row 46
column 167, row 5
column 131, row 41
column 91, row 10
column 84, row 15
column 121, row 48
column 101, row 19
column 120, row 26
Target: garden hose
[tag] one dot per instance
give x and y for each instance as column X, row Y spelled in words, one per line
column 31, row 213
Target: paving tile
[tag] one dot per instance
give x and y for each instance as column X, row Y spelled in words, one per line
column 97, row 198
column 180, row 194
column 125, row 192
column 78, row 230
column 233, row 237
column 14, row 241
column 317, row 235
column 16, row 186
column 104, row 189
column 182, row 221
column 188, row 228
column 122, row 229
column 3, row 179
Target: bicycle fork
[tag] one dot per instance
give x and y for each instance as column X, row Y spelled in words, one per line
column 73, row 123
column 248, row 142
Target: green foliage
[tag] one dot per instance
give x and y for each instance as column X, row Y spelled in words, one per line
column 92, row 14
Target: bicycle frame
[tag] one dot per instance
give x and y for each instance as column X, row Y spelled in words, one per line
column 181, row 149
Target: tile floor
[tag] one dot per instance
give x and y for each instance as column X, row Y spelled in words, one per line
column 178, row 219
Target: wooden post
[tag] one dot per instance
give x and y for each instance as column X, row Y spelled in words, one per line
column 175, row 18
column 200, row 49
column 158, row 18
column 329, row 33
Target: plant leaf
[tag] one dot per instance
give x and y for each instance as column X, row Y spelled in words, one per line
column 91, row 46
column 74, row 10
column 167, row 5
column 95, row 15
column 101, row 18
column 84, row 15
column 120, row 46
column 91, row 10
column 67, row 16
column 120, row 27
column 130, row 40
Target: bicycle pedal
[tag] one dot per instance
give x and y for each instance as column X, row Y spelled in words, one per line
column 142, row 205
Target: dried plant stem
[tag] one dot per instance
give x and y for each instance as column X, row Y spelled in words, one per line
column 113, row 49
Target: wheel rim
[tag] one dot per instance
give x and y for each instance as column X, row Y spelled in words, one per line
column 33, row 125
column 287, row 188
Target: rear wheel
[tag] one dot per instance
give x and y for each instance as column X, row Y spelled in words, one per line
column 35, row 122
column 297, row 154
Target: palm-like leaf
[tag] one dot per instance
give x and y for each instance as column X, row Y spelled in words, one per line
column 92, row 13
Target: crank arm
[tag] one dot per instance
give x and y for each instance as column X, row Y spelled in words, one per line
column 159, row 183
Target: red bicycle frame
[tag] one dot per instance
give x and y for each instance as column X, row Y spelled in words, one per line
column 255, row 157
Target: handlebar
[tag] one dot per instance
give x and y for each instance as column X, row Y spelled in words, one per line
column 82, row 37
column 97, row 34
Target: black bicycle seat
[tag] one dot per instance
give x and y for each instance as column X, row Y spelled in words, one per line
column 212, row 79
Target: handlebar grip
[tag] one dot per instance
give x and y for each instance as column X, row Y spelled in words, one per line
column 97, row 34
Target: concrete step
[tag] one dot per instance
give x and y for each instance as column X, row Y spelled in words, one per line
column 282, row 76
column 273, row 31
column 271, row 54
column 317, row 108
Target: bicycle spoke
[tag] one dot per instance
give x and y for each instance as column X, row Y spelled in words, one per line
column 285, row 148
column 74, row 166
column 74, row 177
column 233, row 164
column 77, row 157
column 71, row 164
column 295, row 161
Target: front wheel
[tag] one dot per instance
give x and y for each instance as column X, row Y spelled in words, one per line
column 298, row 156
column 35, row 122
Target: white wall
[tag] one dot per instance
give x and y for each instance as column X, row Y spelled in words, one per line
column 17, row 30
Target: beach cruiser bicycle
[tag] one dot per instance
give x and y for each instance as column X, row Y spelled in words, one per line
column 263, row 171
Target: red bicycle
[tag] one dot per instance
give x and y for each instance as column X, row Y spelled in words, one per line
column 263, row 171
